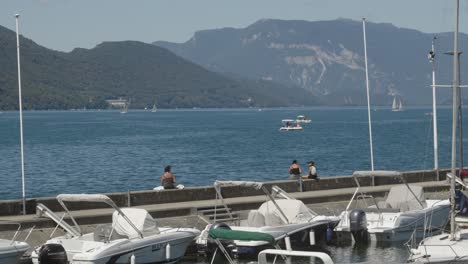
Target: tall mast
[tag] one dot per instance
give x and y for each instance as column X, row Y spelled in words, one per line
column 455, row 93
column 21, row 115
column 368, row 100
column 434, row 109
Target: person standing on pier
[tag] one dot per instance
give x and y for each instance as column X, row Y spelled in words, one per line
column 295, row 173
column 168, row 179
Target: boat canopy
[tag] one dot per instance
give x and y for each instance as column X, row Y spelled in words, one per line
column 140, row 218
column 100, row 198
column 377, row 173
column 301, row 117
column 294, row 210
column 288, row 120
column 401, row 197
column 256, row 185
column 227, row 234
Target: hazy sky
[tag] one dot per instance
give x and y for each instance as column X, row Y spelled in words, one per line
column 66, row 24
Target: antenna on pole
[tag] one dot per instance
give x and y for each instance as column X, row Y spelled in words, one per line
column 431, row 57
column 21, row 114
column 368, row 100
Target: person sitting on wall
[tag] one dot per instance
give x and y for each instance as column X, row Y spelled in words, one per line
column 294, row 170
column 312, row 171
column 168, row 179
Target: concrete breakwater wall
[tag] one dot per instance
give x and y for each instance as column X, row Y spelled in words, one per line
column 137, row 198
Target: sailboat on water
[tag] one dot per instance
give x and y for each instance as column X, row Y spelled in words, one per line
column 397, row 106
column 154, row 109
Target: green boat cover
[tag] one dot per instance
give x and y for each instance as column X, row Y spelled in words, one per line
column 240, row 235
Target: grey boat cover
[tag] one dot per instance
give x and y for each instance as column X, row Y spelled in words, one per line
column 295, row 211
column 401, row 198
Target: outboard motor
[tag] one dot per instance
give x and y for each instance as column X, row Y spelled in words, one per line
column 52, row 254
column 211, row 245
column 358, row 226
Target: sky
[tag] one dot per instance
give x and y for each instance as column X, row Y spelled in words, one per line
column 67, row 24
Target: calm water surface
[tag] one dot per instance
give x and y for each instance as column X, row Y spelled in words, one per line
column 105, row 151
column 370, row 254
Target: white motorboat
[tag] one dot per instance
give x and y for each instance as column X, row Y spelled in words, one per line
column 132, row 237
column 280, row 218
column 12, row 250
column 404, row 211
column 444, row 248
column 302, row 119
column 290, row 125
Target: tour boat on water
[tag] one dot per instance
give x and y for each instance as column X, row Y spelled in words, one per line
column 290, row 125
column 302, row 119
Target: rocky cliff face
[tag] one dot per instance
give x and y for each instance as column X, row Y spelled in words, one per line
column 325, row 58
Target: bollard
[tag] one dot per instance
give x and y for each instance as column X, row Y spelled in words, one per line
column 312, row 237
column 168, row 251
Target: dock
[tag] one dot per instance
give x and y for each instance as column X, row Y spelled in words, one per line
column 328, row 196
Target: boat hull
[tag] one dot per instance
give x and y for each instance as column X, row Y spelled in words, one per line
column 151, row 249
column 291, row 128
column 441, row 249
column 400, row 226
column 11, row 252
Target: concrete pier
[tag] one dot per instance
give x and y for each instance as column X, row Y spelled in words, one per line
column 197, row 194
column 172, row 203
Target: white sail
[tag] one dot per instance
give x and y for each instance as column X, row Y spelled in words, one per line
column 396, row 107
column 154, row 108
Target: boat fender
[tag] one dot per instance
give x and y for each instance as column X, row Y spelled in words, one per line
column 168, row 251
column 132, row 259
column 329, row 234
column 312, row 237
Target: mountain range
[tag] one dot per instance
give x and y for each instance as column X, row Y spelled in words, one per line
column 327, row 58
column 267, row 64
column 142, row 73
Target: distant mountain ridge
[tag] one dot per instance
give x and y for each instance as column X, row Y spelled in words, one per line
column 143, row 73
column 326, row 58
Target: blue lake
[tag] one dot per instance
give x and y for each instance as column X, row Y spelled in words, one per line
column 105, row 151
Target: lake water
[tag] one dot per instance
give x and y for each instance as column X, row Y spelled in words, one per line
column 340, row 253
column 106, row 151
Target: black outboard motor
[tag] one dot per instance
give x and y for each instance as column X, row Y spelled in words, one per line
column 211, row 245
column 52, row 254
column 358, row 226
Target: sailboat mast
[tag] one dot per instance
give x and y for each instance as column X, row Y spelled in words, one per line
column 21, row 115
column 455, row 93
column 434, row 110
column 368, row 100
